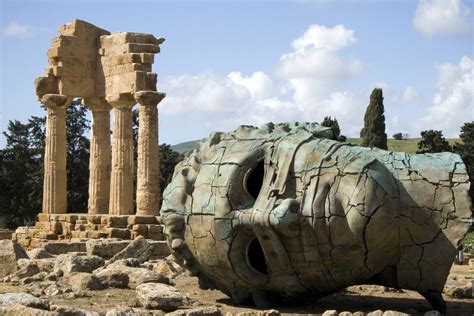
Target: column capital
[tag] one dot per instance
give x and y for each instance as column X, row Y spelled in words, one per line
column 53, row 101
column 122, row 103
column 97, row 104
column 149, row 98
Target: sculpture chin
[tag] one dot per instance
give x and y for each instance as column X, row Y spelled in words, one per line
column 283, row 210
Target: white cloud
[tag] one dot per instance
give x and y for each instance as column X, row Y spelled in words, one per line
column 259, row 84
column 17, row 30
column 307, row 88
column 453, row 101
column 442, row 17
column 321, row 37
column 407, row 96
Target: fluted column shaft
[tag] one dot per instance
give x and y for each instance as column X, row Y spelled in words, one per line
column 148, row 168
column 121, row 180
column 55, row 177
column 100, row 157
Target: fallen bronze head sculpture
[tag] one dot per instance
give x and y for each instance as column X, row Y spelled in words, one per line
column 284, row 210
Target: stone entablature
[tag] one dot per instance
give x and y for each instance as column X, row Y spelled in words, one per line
column 109, row 71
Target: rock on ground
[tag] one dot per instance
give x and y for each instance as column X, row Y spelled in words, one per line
column 105, row 248
column 204, row 311
column 25, row 299
column 82, row 281
column 139, row 249
column 168, row 267
column 112, row 277
column 18, row 309
column 39, row 253
column 10, row 252
column 73, row 262
column 70, row 311
column 133, row 311
column 460, row 291
column 137, row 275
column 159, row 296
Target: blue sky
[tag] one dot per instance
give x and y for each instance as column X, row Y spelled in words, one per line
column 226, row 63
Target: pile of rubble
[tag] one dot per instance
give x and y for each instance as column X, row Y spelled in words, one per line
column 54, row 276
column 142, row 265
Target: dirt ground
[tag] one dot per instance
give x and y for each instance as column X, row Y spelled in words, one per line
column 365, row 298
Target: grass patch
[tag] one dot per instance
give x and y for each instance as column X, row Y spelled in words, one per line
column 468, row 242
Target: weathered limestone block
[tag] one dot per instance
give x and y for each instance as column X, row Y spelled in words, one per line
column 113, row 278
column 73, row 262
column 159, row 296
column 105, row 248
column 82, row 281
column 10, row 253
column 282, row 209
column 139, row 249
column 24, row 299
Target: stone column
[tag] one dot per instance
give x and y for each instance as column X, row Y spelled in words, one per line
column 121, row 180
column 55, row 177
column 100, row 161
column 148, row 169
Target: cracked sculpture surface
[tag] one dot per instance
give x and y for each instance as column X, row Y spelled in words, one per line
column 284, row 210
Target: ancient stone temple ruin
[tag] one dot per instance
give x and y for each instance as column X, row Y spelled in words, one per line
column 110, row 72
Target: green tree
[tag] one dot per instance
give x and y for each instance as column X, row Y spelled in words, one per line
column 21, row 166
column 168, row 160
column 433, row 142
column 77, row 127
column 398, row 136
column 21, row 172
column 466, row 151
column 333, row 124
column 373, row 133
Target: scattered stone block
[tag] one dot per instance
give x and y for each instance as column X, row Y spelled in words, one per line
column 57, row 248
column 10, row 252
column 18, row 309
column 39, row 253
column 24, row 299
column 72, row 262
column 82, row 281
column 113, row 278
column 105, row 248
column 139, row 248
column 209, row 311
column 159, row 296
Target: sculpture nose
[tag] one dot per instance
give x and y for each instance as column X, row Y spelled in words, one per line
column 284, row 218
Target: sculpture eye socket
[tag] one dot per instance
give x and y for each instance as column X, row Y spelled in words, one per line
column 254, row 180
column 256, row 257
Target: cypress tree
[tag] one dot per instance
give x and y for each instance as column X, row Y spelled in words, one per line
column 373, row 133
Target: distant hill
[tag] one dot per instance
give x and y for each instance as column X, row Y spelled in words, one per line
column 408, row 146
column 187, row 146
